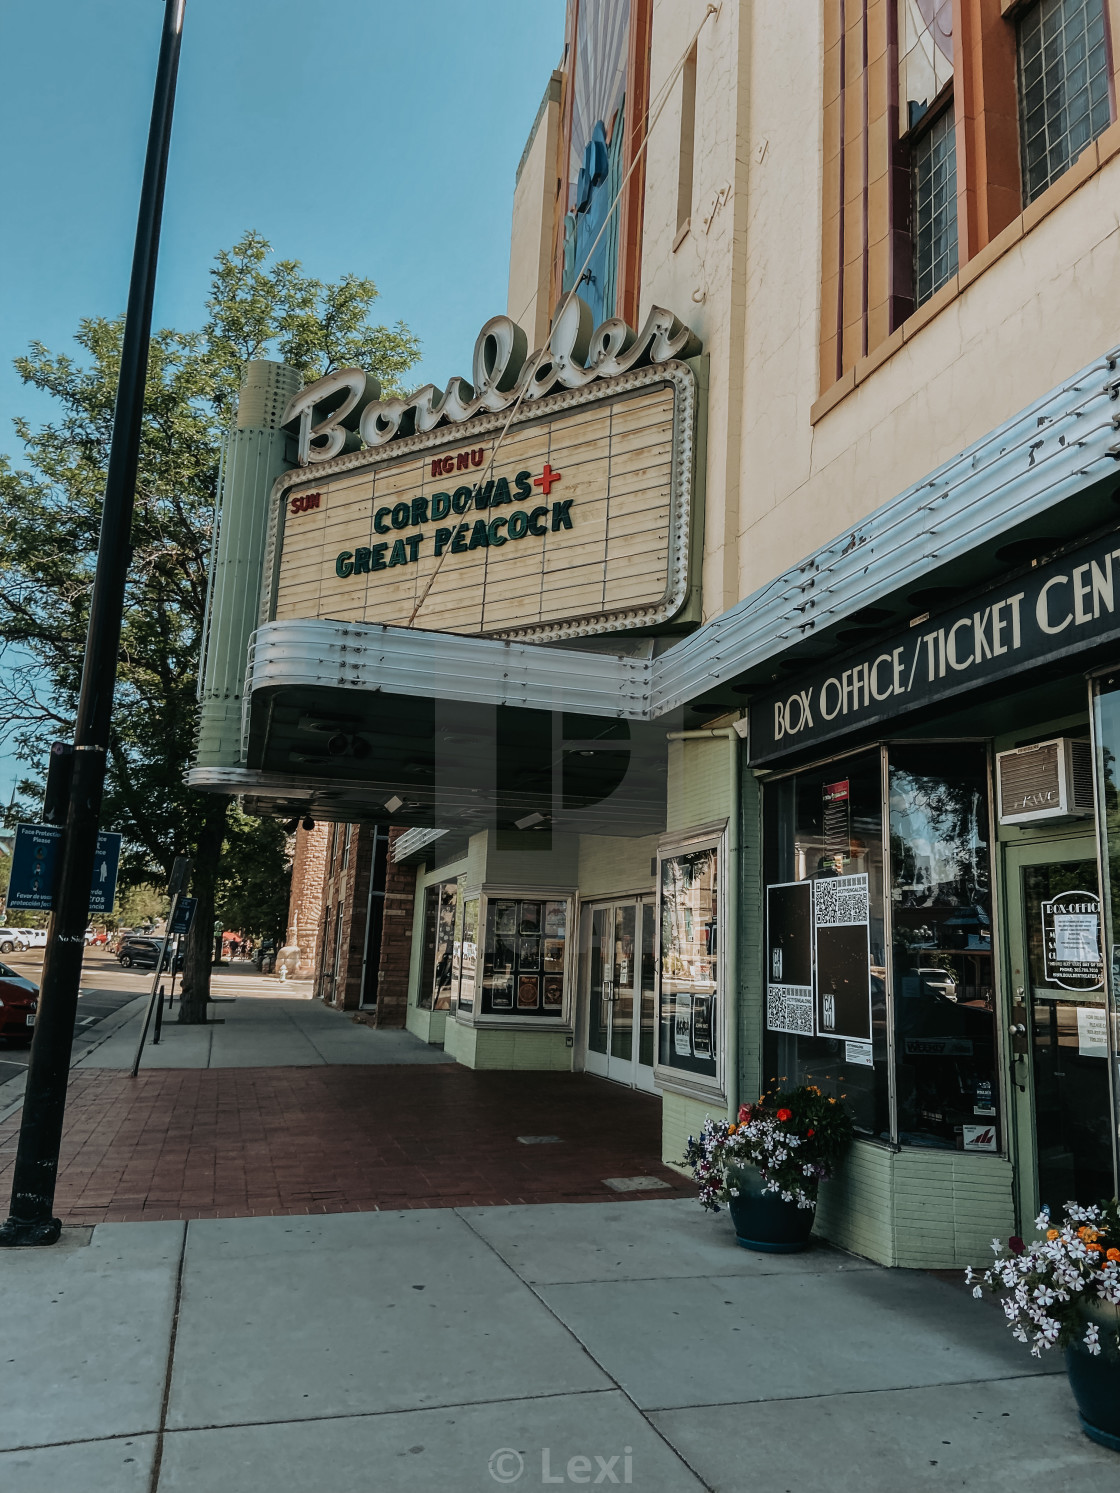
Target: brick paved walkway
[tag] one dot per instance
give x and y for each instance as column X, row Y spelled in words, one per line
column 243, row 1141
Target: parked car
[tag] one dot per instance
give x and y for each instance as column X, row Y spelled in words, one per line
column 34, row 938
column 143, row 953
column 19, row 1001
column 10, row 940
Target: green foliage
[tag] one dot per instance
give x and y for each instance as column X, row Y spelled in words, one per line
column 50, row 512
column 140, row 904
column 252, row 896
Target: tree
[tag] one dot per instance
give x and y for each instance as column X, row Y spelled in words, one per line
column 50, row 512
column 251, row 897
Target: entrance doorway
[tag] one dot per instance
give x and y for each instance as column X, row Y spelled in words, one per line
column 1058, row 1027
column 619, row 995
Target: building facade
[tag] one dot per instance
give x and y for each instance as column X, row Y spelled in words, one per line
column 737, row 653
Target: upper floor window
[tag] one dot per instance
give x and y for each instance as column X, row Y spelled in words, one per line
column 1063, row 87
column 926, row 118
column 934, row 188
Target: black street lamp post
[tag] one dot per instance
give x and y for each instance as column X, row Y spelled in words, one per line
column 31, row 1219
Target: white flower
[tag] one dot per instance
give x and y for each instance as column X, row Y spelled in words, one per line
column 978, row 1292
column 1091, row 1335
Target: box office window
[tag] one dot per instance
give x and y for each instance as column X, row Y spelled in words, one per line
column 833, row 877
column 688, row 1024
column 941, row 936
column 825, row 976
column 524, row 957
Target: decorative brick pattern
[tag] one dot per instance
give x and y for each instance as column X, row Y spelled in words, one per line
column 396, row 940
column 305, row 910
column 234, row 1142
column 344, row 893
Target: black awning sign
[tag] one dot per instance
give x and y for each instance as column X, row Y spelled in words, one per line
column 1061, row 608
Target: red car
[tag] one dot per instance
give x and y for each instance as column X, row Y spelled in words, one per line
column 19, row 1000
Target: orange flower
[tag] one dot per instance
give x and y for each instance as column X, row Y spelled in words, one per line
column 731, row 1129
column 1096, row 1249
column 1113, row 1254
column 785, row 1114
column 1051, row 1233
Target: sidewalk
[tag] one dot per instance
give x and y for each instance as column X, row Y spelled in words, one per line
column 447, row 1351
column 285, row 1106
column 426, row 1331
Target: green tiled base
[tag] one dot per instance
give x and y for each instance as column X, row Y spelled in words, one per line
column 494, row 1047
column 923, row 1210
column 429, row 1026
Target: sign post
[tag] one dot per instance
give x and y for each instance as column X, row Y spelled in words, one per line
column 31, row 1217
column 180, row 875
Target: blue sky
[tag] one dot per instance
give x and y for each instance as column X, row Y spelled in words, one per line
column 357, row 135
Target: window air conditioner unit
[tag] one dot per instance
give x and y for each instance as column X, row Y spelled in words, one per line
column 1047, row 780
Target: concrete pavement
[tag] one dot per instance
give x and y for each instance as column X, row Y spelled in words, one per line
column 278, row 1029
column 474, row 1348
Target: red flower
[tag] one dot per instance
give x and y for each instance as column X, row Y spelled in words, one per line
column 809, row 1132
column 785, row 1114
column 1016, row 1245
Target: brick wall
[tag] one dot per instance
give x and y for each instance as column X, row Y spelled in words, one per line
column 305, row 909
column 344, row 892
column 396, row 941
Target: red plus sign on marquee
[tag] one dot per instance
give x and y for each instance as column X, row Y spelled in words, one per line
column 547, row 479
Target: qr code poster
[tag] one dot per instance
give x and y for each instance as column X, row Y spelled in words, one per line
column 789, row 957
column 789, row 1008
column 842, row 957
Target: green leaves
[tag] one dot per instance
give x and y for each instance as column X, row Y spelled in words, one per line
column 50, row 513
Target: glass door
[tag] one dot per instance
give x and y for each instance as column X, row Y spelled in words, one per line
column 1059, row 1051
column 620, row 998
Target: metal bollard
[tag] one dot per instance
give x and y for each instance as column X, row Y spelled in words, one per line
column 159, row 1018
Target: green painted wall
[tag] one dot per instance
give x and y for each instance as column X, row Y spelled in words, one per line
column 609, row 864
column 699, row 786
column 682, row 1116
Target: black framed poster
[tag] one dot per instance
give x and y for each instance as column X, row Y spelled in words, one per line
column 842, row 954
column 789, row 957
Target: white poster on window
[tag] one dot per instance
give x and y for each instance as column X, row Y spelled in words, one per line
column 682, row 1025
column 1092, row 1032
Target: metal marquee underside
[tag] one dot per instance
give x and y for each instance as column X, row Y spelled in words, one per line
column 466, row 728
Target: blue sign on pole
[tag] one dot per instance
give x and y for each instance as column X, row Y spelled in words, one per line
column 106, row 859
column 35, row 864
column 184, row 915
column 34, row 867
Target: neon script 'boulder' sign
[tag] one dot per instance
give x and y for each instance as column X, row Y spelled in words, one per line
column 345, row 410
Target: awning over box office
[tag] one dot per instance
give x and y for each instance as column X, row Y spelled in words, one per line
column 342, row 719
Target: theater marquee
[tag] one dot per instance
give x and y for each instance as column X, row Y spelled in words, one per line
column 575, row 521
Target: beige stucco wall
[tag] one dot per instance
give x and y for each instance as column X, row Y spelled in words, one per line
column 748, row 280
column 534, row 202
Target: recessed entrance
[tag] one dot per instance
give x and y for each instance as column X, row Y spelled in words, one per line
column 618, row 1000
column 1058, row 1025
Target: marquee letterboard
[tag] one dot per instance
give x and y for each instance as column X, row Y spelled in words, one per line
column 579, row 524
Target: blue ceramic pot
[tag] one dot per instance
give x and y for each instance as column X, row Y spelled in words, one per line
column 1095, row 1378
column 762, row 1220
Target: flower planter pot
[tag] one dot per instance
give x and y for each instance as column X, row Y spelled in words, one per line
column 1095, row 1378
column 762, row 1220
